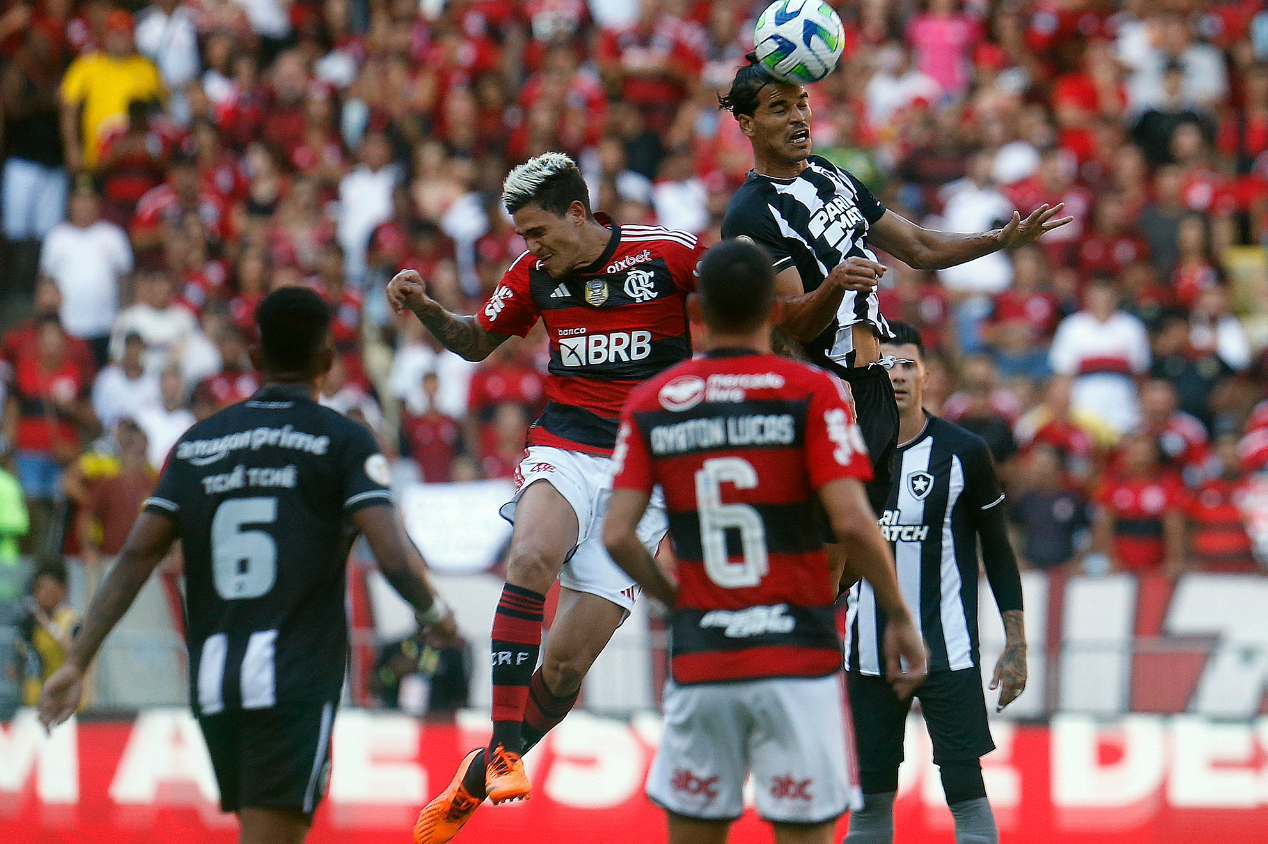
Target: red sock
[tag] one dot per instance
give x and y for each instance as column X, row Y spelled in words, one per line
column 544, row 711
column 517, row 639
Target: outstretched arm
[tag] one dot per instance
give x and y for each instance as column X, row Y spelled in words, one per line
column 148, row 542
column 925, row 249
column 461, row 335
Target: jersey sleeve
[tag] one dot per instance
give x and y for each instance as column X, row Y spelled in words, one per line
column 683, row 262
column 871, row 207
column 366, row 475
column 166, row 498
column 631, row 459
column 510, row 311
column 981, row 483
column 755, row 220
column 834, row 444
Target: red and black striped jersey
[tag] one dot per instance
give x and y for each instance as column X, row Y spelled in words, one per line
column 613, row 324
column 740, row 442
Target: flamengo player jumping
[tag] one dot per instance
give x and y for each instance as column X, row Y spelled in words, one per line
column 613, row 301
column 746, row 445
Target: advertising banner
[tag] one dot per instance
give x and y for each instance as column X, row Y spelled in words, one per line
column 1138, row 779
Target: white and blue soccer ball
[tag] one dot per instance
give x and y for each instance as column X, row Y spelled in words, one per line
column 799, row 41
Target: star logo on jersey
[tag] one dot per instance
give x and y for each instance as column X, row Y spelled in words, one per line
column 596, row 292
column 919, row 484
column 640, row 285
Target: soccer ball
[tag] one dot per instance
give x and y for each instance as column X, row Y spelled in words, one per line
column 799, row 41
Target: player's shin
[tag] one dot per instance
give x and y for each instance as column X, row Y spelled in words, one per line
column 966, row 797
column 545, row 710
column 517, row 635
column 874, row 823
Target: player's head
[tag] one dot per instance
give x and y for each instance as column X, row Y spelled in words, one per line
column 550, row 204
column 774, row 115
column 735, row 294
column 907, row 375
column 295, row 341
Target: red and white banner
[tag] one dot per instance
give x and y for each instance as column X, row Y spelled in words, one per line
column 1141, row 778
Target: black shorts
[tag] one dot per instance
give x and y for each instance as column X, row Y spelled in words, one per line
column 878, row 420
column 276, row 758
column 954, row 707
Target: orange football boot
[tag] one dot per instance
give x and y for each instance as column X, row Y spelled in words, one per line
column 441, row 819
column 505, row 778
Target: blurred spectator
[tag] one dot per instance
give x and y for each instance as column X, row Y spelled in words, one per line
column 985, row 409
column 942, row 39
column 97, row 88
column 1111, row 245
column 365, row 200
column 1218, row 515
column 114, row 501
column 165, row 325
column 1139, row 519
column 46, row 628
column 90, row 260
column 14, row 524
column 974, row 204
column 1158, row 124
column 1195, row 262
column 181, row 197
column 417, row 354
column 431, row 439
column 502, row 444
column 163, row 425
column 46, row 411
column 23, row 338
column 349, row 396
column 1160, row 219
column 1104, row 349
column 1023, row 318
column 1182, row 439
column 345, row 303
column 897, row 84
column 1194, row 374
column 237, row 379
column 132, row 162
column 1049, row 509
column 1214, row 328
column 34, row 179
column 126, row 387
column 167, row 33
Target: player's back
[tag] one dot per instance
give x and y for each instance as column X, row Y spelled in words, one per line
column 262, row 493
column 740, row 443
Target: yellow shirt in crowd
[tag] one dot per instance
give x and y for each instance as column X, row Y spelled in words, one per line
column 104, row 85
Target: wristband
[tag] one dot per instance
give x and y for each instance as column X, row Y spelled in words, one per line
column 433, row 614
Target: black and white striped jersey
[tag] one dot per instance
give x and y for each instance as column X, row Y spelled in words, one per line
column 944, row 487
column 262, row 493
column 813, row 222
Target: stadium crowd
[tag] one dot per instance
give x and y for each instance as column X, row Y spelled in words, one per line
column 167, row 166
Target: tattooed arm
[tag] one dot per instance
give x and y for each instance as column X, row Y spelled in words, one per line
column 1010, row 671
column 461, row 335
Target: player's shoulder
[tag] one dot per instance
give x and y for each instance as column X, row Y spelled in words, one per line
column 517, row 273
column 637, row 238
column 751, row 196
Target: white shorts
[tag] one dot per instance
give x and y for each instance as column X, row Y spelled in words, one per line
column 585, row 481
column 794, row 735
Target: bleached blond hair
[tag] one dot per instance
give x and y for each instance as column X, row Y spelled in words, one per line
column 551, row 180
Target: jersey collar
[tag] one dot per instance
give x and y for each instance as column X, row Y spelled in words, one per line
column 924, row 432
column 731, row 352
column 282, row 392
column 608, row 251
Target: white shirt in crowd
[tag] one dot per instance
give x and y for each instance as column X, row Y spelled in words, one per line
column 87, row 265
column 970, row 208
column 683, row 206
column 365, row 200
column 115, row 396
column 268, row 17
column 1104, row 357
column 405, row 379
column 163, row 428
column 166, row 331
column 171, row 42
